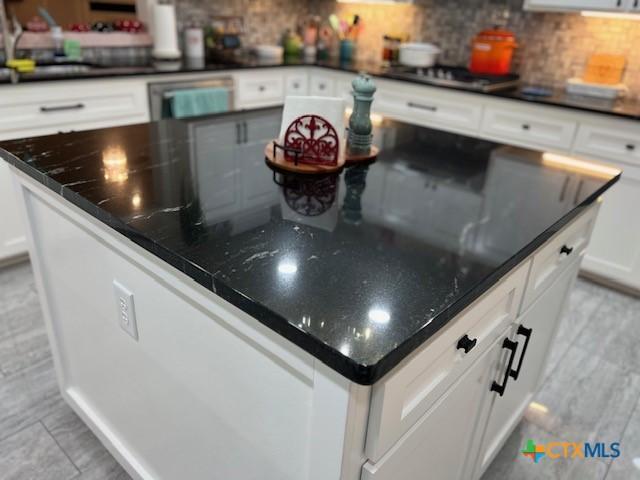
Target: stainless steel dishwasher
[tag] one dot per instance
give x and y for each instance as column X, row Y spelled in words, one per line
column 160, row 93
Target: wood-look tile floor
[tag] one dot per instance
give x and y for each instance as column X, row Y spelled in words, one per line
column 591, row 392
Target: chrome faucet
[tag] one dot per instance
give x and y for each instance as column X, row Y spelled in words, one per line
column 9, row 38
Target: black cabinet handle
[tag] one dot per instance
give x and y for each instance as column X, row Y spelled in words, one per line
column 262, row 88
column 466, row 343
column 618, row 3
column 630, row 146
column 495, row 386
column 566, row 250
column 245, row 136
column 238, row 127
column 296, row 85
column 526, row 333
column 430, row 108
column 75, row 106
column 526, row 126
column 635, row 4
column 322, row 86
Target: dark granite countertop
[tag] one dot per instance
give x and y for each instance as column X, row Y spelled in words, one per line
column 358, row 269
column 622, row 108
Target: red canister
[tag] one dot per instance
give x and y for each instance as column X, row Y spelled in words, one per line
column 492, row 51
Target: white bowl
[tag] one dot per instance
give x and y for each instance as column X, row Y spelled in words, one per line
column 270, row 52
column 419, row 55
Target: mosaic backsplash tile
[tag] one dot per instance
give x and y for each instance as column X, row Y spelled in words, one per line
column 552, row 46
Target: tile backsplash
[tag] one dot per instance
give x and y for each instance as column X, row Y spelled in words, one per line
column 552, row 46
column 264, row 20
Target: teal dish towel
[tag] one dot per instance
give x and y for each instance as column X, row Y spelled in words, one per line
column 199, row 101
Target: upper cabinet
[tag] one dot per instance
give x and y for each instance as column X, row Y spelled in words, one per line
column 621, row 6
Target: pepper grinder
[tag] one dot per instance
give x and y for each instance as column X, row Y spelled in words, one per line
column 360, row 137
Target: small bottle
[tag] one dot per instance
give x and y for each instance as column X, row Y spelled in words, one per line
column 58, row 41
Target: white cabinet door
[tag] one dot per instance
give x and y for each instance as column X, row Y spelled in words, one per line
column 322, row 85
column 257, row 89
column 296, row 84
column 534, row 333
column 433, row 448
column 12, row 237
column 614, row 251
column 530, row 127
column 575, row 4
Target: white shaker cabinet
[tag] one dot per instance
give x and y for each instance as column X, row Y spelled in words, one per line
column 13, row 241
column 46, row 108
column 435, row 442
column 614, row 252
column 569, row 5
column 534, row 333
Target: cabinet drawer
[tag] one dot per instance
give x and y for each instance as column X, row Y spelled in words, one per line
column 557, row 254
column 296, row 84
column 405, row 394
column 440, row 444
column 447, row 112
column 621, row 144
column 529, row 127
column 53, row 108
column 260, row 90
column 322, row 86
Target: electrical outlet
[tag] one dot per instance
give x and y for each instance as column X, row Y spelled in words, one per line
column 126, row 310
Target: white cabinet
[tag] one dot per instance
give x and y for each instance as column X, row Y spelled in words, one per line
column 296, row 84
column 525, row 126
column 46, row 108
column 259, row 88
column 434, row 445
column 533, row 333
column 614, row 141
column 614, row 252
column 322, row 85
column 401, row 398
column 429, row 107
column 12, row 237
column 569, row 5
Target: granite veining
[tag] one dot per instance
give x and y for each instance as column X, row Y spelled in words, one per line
column 358, row 268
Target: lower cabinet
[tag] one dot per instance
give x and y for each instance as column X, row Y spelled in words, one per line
column 435, row 446
column 13, row 240
column 533, row 334
column 614, row 252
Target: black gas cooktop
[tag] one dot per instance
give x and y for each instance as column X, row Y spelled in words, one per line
column 458, row 77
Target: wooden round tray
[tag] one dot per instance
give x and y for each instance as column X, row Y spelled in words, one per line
column 275, row 158
column 369, row 157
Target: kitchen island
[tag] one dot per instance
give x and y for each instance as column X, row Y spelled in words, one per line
column 211, row 318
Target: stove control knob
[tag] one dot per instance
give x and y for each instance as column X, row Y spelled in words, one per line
column 440, row 73
column 449, row 76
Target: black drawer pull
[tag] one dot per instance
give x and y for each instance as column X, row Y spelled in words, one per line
column 526, row 333
column 296, row 85
column 630, row 146
column 75, row 106
column 526, row 126
column 322, row 86
column 495, row 386
column 466, row 343
column 430, row 108
column 566, row 250
column 262, row 88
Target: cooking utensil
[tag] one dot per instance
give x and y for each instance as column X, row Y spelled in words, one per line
column 418, row 55
column 491, row 52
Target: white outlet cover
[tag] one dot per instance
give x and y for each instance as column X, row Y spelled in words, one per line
column 125, row 310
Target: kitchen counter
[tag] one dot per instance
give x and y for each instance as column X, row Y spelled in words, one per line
column 623, row 107
column 358, row 269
